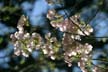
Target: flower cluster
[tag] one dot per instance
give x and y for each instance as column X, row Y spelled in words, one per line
column 71, row 25
column 51, row 46
column 73, row 50
column 24, row 43
column 73, row 29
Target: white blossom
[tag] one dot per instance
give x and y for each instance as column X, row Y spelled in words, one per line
column 29, row 49
column 80, row 32
column 20, row 28
column 27, row 35
column 52, row 57
column 33, row 34
column 24, row 54
column 45, row 51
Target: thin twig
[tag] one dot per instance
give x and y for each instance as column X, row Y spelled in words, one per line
column 101, row 60
column 99, row 66
column 72, row 21
column 85, row 36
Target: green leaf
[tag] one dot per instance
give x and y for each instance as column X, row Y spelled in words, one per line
column 1, row 40
column 22, row 61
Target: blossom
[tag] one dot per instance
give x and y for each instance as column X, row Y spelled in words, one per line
column 25, row 42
